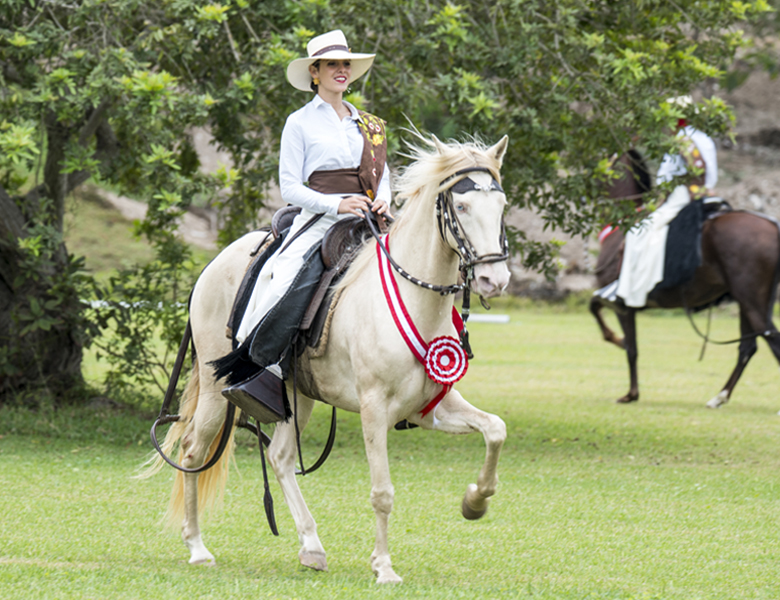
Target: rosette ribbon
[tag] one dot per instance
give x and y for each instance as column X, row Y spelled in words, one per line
column 444, row 359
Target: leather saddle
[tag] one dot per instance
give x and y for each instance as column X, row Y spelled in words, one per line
column 338, row 249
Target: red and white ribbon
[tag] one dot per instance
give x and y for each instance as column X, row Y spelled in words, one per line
column 444, row 360
column 606, row 232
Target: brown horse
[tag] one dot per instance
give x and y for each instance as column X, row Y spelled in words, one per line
column 740, row 260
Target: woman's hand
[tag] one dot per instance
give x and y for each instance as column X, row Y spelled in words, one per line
column 380, row 207
column 359, row 204
column 355, row 205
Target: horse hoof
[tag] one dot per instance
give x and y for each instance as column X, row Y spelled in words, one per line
column 392, row 578
column 314, row 560
column 199, row 554
column 470, row 512
column 718, row 400
column 627, row 399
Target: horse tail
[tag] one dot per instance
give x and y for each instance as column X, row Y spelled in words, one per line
column 211, row 482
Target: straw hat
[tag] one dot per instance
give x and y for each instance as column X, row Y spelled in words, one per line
column 328, row 46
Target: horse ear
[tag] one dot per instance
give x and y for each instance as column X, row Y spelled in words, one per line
column 440, row 147
column 499, row 149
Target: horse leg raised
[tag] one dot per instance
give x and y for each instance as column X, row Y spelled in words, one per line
column 455, row 415
column 375, row 426
column 750, row 321
column 596, row 305
column 198, row 438
column 628, row 324
column 282, row 454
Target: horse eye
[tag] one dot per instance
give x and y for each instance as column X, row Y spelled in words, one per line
column 460, row 207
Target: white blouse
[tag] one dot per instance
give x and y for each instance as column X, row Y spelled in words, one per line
column 315, row 139
column 674, row 165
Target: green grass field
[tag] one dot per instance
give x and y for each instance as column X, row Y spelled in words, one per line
column 661, row 499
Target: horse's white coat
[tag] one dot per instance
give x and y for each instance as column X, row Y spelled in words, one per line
column 367, row 367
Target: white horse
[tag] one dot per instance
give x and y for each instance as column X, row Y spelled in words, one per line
column 367, row 366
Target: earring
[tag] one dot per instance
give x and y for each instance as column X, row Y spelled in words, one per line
column 316, row 81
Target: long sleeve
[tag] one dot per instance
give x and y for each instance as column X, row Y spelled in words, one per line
column 291, row 173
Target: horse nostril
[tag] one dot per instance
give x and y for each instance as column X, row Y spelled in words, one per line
column 486, row 284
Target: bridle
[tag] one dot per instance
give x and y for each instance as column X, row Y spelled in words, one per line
column 448, row 219
column 448, row 223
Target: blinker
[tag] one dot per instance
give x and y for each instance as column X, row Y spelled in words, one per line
column 467, row 184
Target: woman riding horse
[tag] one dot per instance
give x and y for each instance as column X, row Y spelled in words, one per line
column 332, row 165
column 695, row 169
column 739, row 259
column 392, row 351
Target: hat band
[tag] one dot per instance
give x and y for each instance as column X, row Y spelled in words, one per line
column 329, row 48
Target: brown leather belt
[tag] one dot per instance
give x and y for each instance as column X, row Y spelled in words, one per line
column 337, row 181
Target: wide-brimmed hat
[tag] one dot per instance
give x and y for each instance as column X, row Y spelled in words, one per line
column 328, row 46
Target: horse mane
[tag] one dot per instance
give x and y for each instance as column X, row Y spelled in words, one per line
column 640, row 170
column 433, row 163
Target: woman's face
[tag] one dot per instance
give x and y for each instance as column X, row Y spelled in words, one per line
column 334, row 75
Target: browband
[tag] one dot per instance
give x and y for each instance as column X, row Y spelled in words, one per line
column 467, row 184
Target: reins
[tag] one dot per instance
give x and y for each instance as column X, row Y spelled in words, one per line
column 706, row 336
column 165, row 417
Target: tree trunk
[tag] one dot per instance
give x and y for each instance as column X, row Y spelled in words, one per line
column 41, row 325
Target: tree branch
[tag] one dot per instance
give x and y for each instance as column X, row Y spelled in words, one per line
column 232, row 42
column 107, row 148
column 94, row 121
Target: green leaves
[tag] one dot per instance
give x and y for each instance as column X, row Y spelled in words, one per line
column 450, row 26
column 630, row 68
column 19, row 40
column 246, row 85
column 17, row 143
column 162, row 155
column 157, row 89
column 212, row 12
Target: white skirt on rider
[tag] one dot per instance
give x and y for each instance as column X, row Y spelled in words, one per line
column 645, row 249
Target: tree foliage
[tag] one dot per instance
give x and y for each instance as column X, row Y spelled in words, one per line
column 113, row 89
